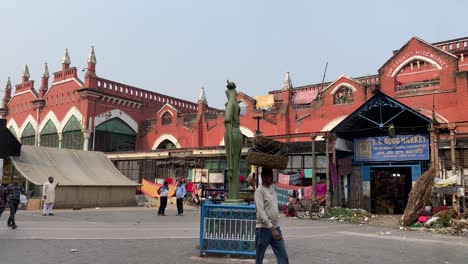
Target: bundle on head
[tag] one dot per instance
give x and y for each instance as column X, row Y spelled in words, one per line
column 269, row 153
column 418, row 196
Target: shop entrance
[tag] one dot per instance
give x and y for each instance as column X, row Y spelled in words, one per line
column 390, row 187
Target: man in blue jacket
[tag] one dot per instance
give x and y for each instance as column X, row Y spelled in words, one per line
column 3, row 199
column 180, row 194
column 14, row 192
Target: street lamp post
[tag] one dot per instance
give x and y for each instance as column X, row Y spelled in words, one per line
column 257, row 133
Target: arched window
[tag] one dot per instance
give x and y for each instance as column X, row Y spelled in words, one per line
column 243, row 108
column 49, row 136
column 166, row 118
column 28, row 137
column 344, row 95
column 72, row 137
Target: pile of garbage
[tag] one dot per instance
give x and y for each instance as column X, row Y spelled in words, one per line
column 349, row 215
column 442, row 219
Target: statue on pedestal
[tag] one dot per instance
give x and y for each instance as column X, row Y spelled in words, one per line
column 233, row 140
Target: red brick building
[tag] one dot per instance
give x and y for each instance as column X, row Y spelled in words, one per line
column 94, row 113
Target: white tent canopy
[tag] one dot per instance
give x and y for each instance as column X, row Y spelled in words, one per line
column 69, row 167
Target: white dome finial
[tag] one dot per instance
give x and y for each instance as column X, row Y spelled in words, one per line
column 287, row 84
column 202, row 96
column 45, row 73
column 66, row 58
column 26, row 71
column 92, row 56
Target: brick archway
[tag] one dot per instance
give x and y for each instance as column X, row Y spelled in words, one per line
column 164, row 137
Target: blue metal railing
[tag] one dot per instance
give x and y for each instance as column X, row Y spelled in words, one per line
column 227, row 229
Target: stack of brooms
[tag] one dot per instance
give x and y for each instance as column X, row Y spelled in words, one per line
column 418, row 196
column 268, row 153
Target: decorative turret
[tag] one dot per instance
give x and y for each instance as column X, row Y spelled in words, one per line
column 91, row 71
column 202, row 103
column 25, row 75
column 7, row 94
column 67, row 72
column 45, row 82
column 287, row 84
column 66, row 60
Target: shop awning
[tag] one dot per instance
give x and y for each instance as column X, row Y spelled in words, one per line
column 374, row 117
column 69, row 167
column 305, row 97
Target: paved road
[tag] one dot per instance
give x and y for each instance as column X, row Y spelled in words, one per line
column 138, row 235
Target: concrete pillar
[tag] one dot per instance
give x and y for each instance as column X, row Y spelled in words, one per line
column 336, row 197
column 314, row 169
column 452, row 150
column 86, row 136
column 327, row 156
column 60, row 136
column 436, row 152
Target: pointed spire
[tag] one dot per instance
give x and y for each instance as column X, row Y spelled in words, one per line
column 26, row 71
column 66, row 58
column 287, row 84
column 202, row 96
column 92, row 56
column 45, row 73
column 8, row 85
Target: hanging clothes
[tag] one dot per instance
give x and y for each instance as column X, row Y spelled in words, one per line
column 308, row 192
column 295, row 179
column 265, row 101
column 283, row 178
column 305, row 97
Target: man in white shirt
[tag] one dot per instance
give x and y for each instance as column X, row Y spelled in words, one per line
column 48, row 192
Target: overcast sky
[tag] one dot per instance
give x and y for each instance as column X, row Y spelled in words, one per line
column 176, row 47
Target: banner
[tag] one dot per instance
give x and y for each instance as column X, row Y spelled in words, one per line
column 216, row 177
column 399, row 148
column 151, row 189
column 200, row 175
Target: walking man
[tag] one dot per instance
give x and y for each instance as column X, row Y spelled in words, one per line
column 267, row 230
column 14, row 192
column 180, row 194
column 48, row 192
column 3, row 199
column 163, row 193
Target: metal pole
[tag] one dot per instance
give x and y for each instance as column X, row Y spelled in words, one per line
column 327, row 156
column 336, row 197
column 257, row 132
column 314, row 170
column 463, row 193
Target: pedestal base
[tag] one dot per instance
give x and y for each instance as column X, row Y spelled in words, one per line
column 235, row 201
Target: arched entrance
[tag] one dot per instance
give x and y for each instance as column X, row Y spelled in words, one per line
column 114, row 135
column 166, row 144
column 72, row 136
column 28, row 137
column 49, row 135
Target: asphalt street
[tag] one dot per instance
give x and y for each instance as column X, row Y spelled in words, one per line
column 138, row 235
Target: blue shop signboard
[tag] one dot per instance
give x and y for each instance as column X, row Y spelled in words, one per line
column 399, row 148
